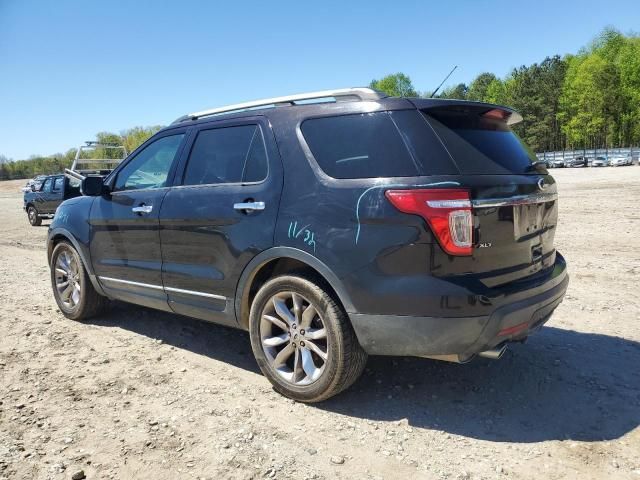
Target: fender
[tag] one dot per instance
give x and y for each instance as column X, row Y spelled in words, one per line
column 84, row 255
column 295, row 254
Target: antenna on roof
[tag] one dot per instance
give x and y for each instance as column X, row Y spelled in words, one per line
column 442, row 83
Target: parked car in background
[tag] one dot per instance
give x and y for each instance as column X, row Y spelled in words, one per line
column 339, row 224
column 578, row 162
column 559, row 163
column 620, row 161
column 34, row 183
column 599, row 162
column 42, row 201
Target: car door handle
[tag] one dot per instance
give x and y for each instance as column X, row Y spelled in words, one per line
column 143, row 209
column 249, row 206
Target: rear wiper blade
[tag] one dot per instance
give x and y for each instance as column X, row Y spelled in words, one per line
column 535, row 165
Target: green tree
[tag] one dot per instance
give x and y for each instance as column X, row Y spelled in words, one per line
column 478, row 88
column 136, row 136
column 628, row 61
column 395, row 85
column 458, row 92
column 591, row 102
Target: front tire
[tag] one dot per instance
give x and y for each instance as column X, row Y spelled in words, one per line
column 72, row 288
column 303, row 340
column 32, row 214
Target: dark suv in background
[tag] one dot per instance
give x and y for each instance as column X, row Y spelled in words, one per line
column 330, row 226
column 42, row 198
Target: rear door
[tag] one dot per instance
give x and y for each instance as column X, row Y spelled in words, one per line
column 221, row 213
column 125, row 244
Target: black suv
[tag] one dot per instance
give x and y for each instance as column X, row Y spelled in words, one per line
column 330, row 226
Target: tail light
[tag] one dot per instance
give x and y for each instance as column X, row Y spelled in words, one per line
column 447, row 211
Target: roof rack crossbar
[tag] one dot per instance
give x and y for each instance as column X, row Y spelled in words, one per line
column 342, row 94
column 94, row 166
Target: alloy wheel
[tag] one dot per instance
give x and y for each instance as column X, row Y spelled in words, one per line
column 294, row 338
column 67, row 279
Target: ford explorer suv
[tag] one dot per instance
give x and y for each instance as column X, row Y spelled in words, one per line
column 42, row 198
column 330, row 225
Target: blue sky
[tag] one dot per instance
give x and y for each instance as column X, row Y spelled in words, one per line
column 71, row 68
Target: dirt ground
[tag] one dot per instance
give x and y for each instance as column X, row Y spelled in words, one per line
column 139, row 394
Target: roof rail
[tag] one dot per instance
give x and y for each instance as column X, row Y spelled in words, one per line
column 339, row 95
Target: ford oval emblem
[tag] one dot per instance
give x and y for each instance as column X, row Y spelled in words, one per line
column 541, row 184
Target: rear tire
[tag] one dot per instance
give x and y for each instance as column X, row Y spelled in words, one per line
column 303, row 340
column 32, row 215
column 72, row 288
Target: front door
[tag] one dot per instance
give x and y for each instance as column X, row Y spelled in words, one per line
column 125, row 244
column 44, row 198
column 221, row 213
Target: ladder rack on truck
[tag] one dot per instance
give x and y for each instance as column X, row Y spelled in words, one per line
column 83, row 167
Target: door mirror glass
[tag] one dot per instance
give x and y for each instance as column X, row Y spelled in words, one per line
column 92, row 186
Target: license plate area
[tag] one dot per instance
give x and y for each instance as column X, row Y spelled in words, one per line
column 528, row 220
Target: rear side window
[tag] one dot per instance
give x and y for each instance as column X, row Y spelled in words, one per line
column 58, row 184
column 480, row 144
column 227, row 155
column 381, row 144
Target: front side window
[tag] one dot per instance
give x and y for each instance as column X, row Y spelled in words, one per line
column 48, row 184
column 227, row 155
column 150, row 168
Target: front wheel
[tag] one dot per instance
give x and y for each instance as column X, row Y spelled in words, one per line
column 72, row 288
column 34, row 219
column 303, row 340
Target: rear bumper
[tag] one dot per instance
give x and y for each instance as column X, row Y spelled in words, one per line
column 465, row 336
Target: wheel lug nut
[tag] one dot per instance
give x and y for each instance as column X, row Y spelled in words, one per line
column 302, row 332
column 302, row 344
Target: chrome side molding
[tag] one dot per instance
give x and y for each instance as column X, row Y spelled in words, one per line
column 129, row 282
column 193, row 292
column 165, row 289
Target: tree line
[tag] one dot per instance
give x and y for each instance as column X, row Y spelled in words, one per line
column 587, row 100
column 56, row 163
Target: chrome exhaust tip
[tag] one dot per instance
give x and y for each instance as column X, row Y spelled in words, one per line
column 495, row 353
column 453, row 358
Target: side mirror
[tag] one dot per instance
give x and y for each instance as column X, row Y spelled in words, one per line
column 92, row 186
column 33, row 187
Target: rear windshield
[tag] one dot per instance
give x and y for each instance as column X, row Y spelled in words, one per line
column 478, row 144
column 381, row 144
